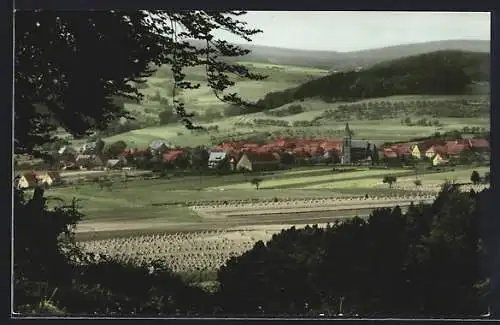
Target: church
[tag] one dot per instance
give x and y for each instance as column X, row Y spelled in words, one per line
column 354, row 150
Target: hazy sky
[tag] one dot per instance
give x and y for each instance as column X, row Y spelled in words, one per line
column 356, row 30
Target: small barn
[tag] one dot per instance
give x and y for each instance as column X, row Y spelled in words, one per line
column 115, row 163
column 439, row 159
column 50, row 178
column 159, row 146
column 26, row 180
column 217, row 159
column 258, row 161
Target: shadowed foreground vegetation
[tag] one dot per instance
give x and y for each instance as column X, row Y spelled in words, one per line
column 392, row 264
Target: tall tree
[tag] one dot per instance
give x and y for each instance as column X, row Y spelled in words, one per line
column 69, row 65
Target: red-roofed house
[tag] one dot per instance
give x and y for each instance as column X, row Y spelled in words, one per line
column 172, row 156
column 257, row 161
column 433, row 150
column 402, row 149
column 390, row 153
column 418, row 150
column 439, row 159
column 479, row 144
column 454, row 148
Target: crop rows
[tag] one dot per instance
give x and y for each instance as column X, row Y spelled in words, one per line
column 414, row 191
column 315, row 202
column 183, row 252
column 436, row 188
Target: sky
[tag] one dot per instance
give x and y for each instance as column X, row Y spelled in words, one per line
column 355, row 30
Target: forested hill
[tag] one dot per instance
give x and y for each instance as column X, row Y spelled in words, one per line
column 344, row 61
column 436, row 73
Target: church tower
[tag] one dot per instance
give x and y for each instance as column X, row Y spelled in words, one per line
column 346, row 148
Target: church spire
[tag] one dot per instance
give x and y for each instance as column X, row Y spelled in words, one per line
column 347, row 130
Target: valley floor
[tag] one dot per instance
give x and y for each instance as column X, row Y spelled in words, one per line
column 142, row 218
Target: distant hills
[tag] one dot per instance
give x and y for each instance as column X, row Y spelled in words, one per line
column 342, row 61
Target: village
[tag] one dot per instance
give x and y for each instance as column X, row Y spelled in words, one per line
column 244, row 156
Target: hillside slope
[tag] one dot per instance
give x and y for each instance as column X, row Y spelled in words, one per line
column 438, row 73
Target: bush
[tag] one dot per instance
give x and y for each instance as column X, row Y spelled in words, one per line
column 389, row 180
column 475, row 177
column 167, row 116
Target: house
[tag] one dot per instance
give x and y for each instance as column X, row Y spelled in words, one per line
column 258, row 161
column 403, row 149
column 89, row 148
column 389, row 153
column 26, row 180
column 159, row 146
column 481, row 145
column 332, row 155
column 454, row 148
column 439, row 159
column 173, row 157
column 433, row 150
column 217, row 159
column 88, row 161
column 50, row 178
column 419, row 149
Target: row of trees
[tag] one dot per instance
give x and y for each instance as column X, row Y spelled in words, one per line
column 421, row 122
column 475, row 178
column 287, row 111
column 387, row 109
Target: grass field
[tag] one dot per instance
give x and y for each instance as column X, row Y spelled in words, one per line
column 158, row 200
column 386, row 129
column 434, row 179
column 123, row 223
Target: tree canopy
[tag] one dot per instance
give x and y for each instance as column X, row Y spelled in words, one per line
column 422, row 262
column 70, row 65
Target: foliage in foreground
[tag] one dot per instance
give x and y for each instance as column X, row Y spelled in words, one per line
column 393, row 264
column 71, row 65
column 424, row 262
column 53, row 276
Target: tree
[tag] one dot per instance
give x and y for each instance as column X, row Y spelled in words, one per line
column 486, row 178
column 115, row 148
column 392, row 264
column 389, row 180
column 256, row 182
column 70, row 65
column 99, row 147
column 41, row 256
column 166, row 116
column 475, row 178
